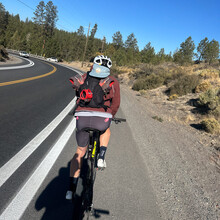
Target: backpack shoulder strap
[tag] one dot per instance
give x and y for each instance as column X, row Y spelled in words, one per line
column 78, row 80
column 106, row 84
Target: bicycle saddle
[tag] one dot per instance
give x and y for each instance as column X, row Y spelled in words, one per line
column 91, row 130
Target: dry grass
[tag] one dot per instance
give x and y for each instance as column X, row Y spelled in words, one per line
column 179, row 108
column 78, row 65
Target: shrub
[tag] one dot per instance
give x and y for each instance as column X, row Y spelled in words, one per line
column 173, row 97
column 216, row 112
column 185, row 85
column 139, row 85
column 202, row 87
column 158, row 118
column 173, row 76
column 143, row 92
column 210, row 99
column 153, row 81
column 211, row 125
column 209, row 74
column 150, row 82
column 144, row 71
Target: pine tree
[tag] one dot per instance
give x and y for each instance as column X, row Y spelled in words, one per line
column 161, row 55
column 131, row 42
column 187, row 50
column 93, row 31
column 91, row 43
column 212, row 51
column 148, row 54
column 117, row 40
column 50, row 18
column 39, row 13
column 132, row 48
column 202, row 47
column 80, row 31
column 3, row 23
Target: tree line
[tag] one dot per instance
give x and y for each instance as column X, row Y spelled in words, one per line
column 40, row 36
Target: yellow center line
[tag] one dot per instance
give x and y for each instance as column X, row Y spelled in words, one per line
column 30, row 78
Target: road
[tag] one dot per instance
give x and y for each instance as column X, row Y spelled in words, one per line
column 36, row 190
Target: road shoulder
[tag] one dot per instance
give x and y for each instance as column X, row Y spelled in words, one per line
column 178, row 161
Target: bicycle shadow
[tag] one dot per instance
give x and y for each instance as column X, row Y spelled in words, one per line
column 79, row 210
column 52, row 199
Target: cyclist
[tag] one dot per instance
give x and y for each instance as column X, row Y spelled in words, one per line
column 94, row 117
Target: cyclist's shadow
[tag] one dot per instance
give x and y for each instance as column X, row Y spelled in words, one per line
column 54, row 201
column 53, row 198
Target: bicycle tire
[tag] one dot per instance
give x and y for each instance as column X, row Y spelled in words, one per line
column 82, row 202
column 83, row 198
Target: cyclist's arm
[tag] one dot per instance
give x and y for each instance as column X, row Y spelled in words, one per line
column 116, row 99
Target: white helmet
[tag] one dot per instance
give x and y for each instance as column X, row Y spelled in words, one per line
column 103, row 61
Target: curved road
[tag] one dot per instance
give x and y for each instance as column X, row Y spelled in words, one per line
column 27, row 107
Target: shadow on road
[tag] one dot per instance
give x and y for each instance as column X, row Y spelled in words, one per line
column 99, row 212
column 52, row 199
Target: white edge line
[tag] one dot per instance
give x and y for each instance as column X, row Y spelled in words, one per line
column 19, row 204
column 31, row 63
column 14, row 163
column 71, row 68
column 63, row 65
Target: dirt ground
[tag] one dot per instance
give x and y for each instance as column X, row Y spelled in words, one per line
column 11, row 60
column 181, row 111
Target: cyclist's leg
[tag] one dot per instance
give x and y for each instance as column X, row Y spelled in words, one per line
column 104, row 140
column 75, row 166
column 105, row 137
column 82, row 138
column 76, row 161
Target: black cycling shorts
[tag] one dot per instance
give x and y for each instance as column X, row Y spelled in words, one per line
column 99, row 123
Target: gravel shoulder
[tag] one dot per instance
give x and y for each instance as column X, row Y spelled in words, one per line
column 179, row 161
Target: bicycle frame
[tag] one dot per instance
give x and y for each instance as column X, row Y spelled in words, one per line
column 92, row 153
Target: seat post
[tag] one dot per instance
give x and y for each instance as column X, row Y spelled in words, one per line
column 91, row 136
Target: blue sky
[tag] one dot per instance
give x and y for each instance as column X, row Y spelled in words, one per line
column 164, row 23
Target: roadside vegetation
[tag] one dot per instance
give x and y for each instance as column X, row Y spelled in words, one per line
column 202, row 81
column 3, row 54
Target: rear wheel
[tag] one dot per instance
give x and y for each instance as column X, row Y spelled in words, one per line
column 82, row 200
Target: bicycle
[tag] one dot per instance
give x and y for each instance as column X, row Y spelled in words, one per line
column 83, row 198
